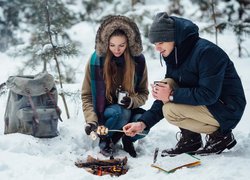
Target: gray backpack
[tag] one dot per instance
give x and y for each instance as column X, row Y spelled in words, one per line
column 32, row 106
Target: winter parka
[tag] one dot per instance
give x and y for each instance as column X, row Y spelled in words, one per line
column 139, row 98
column 205, row 75
column 93, row 111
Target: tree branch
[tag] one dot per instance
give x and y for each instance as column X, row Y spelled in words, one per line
column 55, row 56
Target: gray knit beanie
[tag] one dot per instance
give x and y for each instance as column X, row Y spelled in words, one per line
column 162, row 29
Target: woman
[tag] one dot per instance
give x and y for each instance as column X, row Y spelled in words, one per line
column 116, row 65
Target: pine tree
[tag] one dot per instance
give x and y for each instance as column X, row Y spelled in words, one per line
column 26, row 18
column 46, row 22
column 227, row 14
column 40, row 49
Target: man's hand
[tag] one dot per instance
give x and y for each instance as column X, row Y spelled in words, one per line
column 131, row 129
column 89, row 128
column 161, row 91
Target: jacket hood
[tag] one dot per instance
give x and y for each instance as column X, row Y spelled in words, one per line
column 112, row 23
column 184, row 29
column 186, row 36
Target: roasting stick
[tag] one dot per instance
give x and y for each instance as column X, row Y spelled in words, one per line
column 94, row 135
column 116, row 130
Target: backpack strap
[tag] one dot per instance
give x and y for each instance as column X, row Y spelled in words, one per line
column 35, row 117
column 33, row 107
column 55, row 104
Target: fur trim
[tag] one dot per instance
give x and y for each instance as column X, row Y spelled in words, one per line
column 109, row 25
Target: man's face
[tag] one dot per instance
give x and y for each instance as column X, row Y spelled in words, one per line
column 165, row 48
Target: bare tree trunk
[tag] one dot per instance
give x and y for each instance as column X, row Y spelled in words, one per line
column 55, row 57
column 215, row 23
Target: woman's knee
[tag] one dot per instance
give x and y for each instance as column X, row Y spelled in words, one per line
column 112, row 111
column 117, row 113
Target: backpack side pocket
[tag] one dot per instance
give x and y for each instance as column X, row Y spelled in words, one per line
column 45, row 128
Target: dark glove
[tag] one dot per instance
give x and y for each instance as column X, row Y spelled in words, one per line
column 89, row 128
column 126, row 101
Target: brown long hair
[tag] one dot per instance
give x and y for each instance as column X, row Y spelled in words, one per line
column 110, row 70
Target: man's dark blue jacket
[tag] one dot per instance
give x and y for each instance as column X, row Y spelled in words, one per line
column 205, row 75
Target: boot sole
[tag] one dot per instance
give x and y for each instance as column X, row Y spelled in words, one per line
column 232, row 144
column 164, row 153
column 173, row 155
column 229, row 146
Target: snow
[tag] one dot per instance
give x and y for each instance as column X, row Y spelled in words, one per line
column 24, row 157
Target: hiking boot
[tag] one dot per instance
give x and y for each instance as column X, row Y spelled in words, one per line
column 116, row 137
column 128, row 146
column 106, row 146
column 216, row 143
column 189, row 141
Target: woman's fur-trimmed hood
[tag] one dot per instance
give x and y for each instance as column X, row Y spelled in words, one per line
column 109, row 25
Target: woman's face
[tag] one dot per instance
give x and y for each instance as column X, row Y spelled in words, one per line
column 117, row 45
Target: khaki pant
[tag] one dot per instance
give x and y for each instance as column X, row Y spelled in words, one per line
column 194, row 118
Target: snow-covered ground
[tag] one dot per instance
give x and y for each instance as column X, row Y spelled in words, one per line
column 24, row 157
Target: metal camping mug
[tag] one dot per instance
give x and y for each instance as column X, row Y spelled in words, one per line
column 121, row 94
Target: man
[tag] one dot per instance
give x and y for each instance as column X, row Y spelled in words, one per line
column 203, row 94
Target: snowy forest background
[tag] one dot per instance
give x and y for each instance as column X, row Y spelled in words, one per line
column 24, row 26
column 59, row 36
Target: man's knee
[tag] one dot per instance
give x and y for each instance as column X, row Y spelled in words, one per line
column 170, row 112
